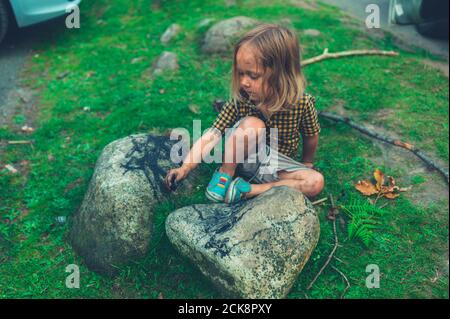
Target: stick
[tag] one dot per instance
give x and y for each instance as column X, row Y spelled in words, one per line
column 346, row 280
column 325, row 55
column 319, row 201
column 336, row 243
column 19, row 142
column 386, row 139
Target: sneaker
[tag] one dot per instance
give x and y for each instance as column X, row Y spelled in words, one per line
column 237, row 190
column 218, row 186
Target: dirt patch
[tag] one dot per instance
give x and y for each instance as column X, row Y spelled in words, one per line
column 441, row 66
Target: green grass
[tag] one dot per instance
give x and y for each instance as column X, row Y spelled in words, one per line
column 122, row 100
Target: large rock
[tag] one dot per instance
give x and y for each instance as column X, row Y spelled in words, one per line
column 220, row 37
column 114, row 223
column 255, row 249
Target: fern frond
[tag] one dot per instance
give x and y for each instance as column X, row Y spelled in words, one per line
column 365, row 219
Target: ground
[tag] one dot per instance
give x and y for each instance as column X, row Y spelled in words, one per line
column 81, row 91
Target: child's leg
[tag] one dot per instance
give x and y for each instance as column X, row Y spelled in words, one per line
column 241, row 143
column 308, row 181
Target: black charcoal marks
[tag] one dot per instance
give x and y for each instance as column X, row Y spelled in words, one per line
column 218, row 220
column 144, row 156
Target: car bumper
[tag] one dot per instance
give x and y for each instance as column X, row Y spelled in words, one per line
column 28, row 12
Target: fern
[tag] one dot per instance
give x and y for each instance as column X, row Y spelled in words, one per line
column 365, row 220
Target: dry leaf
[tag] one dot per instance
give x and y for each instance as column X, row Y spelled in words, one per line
column 194, row 108
column 379, row 177
column 11, row 168
column 391, row 195
column 160, row 296
column 27, row 129
column 366, row 187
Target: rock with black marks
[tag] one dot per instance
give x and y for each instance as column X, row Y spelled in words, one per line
column 114, row 223
column 254, row 249
column 220, row 37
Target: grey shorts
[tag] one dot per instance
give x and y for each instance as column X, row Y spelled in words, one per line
column 265, row 170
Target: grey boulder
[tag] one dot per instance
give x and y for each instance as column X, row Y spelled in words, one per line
column 114, row 223
column 255, row 249
column 220, row 37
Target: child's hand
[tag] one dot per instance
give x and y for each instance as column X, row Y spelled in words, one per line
column 174, row 176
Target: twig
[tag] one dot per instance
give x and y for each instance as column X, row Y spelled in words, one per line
column 336, row 243
column 19, row 142
column 325, row 55
column 346, row 280
column 320, row 201
column 387, row 139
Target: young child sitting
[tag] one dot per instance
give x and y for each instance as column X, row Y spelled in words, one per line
column 267, row 96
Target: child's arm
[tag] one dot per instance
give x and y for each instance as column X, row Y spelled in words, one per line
column 199, row 150
column 309, row 149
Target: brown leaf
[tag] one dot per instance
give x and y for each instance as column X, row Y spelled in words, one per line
column 379, row 177
column 90, row 74
column 391, row 181
column 391, row 195
column 366, row 187
column 160, row 296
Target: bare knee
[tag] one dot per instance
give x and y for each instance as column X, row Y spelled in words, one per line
column 252, row 122
column 317, row 184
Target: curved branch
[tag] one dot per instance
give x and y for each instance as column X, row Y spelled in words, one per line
column 325, row 55
column 387, row 139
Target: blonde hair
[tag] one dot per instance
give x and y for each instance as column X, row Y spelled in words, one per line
column 278, row 52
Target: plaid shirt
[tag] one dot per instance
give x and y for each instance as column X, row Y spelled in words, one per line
column 300, row 118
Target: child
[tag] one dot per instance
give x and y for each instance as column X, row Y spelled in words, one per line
column 267, row 92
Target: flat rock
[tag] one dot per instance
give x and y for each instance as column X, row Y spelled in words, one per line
column 254, row 249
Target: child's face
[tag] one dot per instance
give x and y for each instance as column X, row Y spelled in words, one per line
column 250, row 73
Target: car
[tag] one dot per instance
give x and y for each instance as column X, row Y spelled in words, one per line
column 23, row 13
column 430, row 17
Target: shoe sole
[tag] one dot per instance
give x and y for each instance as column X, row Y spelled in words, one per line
column 213, row 196
column 231, row 192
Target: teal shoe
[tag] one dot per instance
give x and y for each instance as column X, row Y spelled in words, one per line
column 238, row 188
column 218, row 186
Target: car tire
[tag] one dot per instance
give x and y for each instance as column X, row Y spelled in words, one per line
column 4, row 20
column 434, row 29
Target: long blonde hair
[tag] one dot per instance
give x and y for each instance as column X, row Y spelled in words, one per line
column 278, row 52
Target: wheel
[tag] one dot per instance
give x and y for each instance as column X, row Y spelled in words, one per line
column 4, row 21
column 434, row 29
